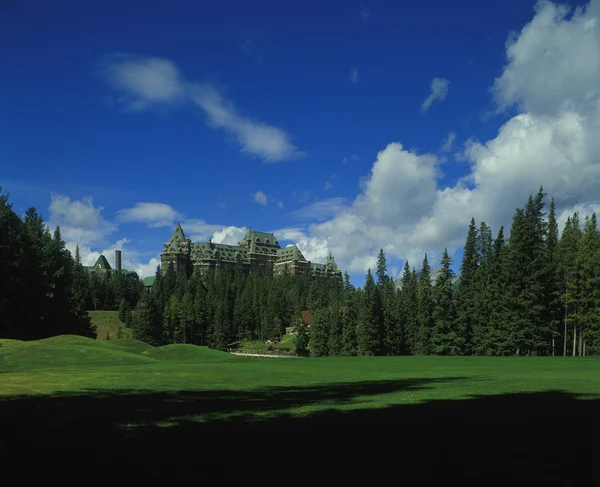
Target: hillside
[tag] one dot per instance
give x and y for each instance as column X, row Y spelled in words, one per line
column 109, row 326
column 71, row 351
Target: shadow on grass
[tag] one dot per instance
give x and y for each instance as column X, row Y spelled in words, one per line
column 254, row 437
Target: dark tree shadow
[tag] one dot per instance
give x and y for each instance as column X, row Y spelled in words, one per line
column 255, row 438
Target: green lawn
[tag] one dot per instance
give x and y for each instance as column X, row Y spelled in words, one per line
column 145, row 403
column 109, row 326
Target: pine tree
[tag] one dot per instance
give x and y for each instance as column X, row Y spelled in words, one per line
column 318, row 335
column 187, row 316
column 552, row 291
column 424, row 310
column 381, row 269
column 302, row 337
column 445, row 340
column 588, row 265
column 467, row 306
column 368, row 331
column 123, row 311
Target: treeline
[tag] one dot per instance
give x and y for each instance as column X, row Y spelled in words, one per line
column 41, row 284
column 531, row 294
column 223, row 307
column 534, row 294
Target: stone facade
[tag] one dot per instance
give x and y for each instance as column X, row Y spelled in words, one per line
column 257, row 252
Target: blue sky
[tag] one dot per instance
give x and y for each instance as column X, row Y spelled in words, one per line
column 343, row 126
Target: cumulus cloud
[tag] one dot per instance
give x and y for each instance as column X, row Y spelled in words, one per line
column 448, row 142
column 260, row 198
column 549, row 142
column 439, row 91
column 154, row 214
column 229, row 235
column 354, row 76
column 553, row 63
column 79, row 220
column 145, row 82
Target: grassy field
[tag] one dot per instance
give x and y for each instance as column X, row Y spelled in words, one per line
column 204, row 412
column 109, row 326
column 287, row 344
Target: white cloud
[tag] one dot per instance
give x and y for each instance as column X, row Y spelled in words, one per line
column 319, row 210
column 154, row 214
column 448, row 142
column 439, row 91
column 554, row 62
column 327, row 185
column 229, row 235
column 144, row 82
column 80, row 221
column 351, row 157
column 261, row 198
column 256, row 138
column 549, row 143
column 289, row 234
column 354, row 76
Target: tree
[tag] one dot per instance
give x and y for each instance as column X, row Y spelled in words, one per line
column 124, row 312
column 302, row 337
column 381, row 269
column 369, row 329
column 467, row 305
column 318, row 335
column 424, row 310
column 445, row 339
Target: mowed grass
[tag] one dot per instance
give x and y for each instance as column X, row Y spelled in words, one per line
column 71, row 363
column 127, row 399
column 109, row 326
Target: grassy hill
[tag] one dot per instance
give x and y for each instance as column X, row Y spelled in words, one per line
column 109, row 326
column 180, row 411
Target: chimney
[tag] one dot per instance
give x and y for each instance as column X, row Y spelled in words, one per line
column 118, row 260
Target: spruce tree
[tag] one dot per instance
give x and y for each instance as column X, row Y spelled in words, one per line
column 444, row 338
column 381, row 269
column 369, row 325
column 424, row 310
column 466, row 299
column 318, row 335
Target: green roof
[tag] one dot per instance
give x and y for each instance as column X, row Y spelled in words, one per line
column 102, row 263
column 178, row 232
column 220, row 252
column 260, row 242
column 149, row 281
column 290, row 253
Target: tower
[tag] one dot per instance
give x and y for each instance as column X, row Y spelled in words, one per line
column 177, row 252
column 118, row 260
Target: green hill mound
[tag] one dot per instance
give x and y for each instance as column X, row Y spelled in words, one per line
column 131, row 345
column 189, row 354
column 65, row 351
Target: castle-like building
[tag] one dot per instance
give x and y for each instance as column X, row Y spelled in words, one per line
column 257, row 252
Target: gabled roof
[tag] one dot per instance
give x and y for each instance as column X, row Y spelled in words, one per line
column 255, row 240
column 290, row 253
column 102, row 263
column 178, row 232
column 220, row 252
